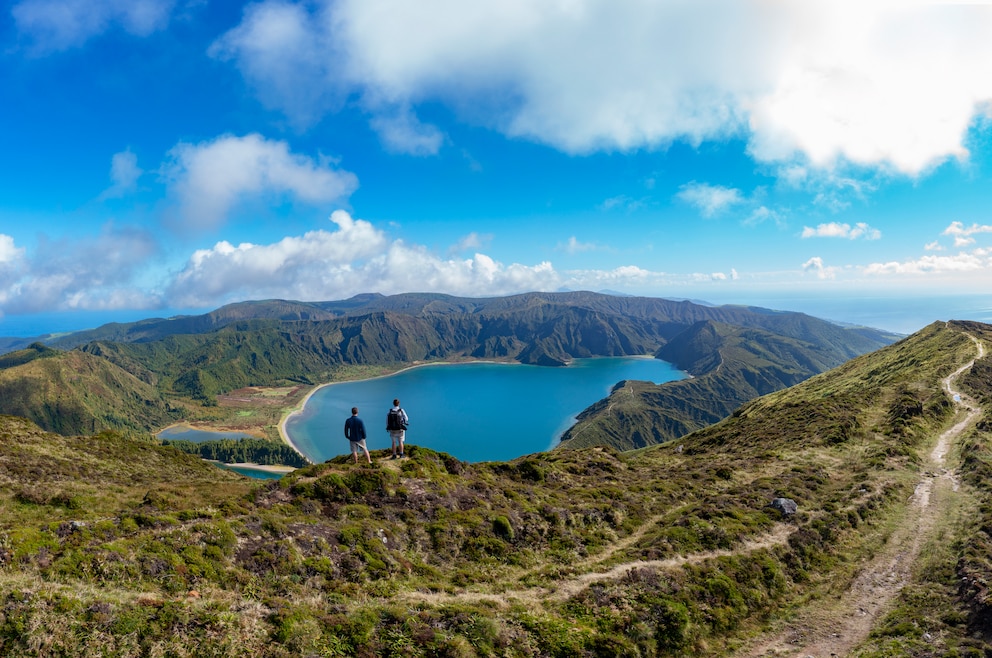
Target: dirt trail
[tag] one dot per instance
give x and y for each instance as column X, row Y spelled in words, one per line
column 834, row 628
column 573, row 586
column 568, row 587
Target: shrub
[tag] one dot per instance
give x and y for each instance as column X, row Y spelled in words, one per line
column 502, row 528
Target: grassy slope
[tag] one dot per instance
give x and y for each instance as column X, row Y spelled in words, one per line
column 77, row 393
column 432, row 557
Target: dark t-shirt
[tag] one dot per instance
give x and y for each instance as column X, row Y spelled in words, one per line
column 354, row 429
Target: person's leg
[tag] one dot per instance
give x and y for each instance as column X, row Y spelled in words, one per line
column 354, row 451
column 392, row 438
column 402, row 439
column 365, row 449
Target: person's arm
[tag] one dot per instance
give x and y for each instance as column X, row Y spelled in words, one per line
column 361, row 428
column 347, row 426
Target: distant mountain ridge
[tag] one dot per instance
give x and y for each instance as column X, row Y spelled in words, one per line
column 272, row 342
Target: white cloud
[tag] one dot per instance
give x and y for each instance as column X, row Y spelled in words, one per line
column 289, row 56
column 962, row 234
column 402, row 132
column 210, row 178
column 56, row 25
column 619, row 277
column 885, row 83
column 763, row 214
column 352, row 259
column 9, row 252
column 933, row 246
column 90, row 273
column 709, row 199
column 838, row 230
column 960, row 263
column 124, row 175
column 815, row 265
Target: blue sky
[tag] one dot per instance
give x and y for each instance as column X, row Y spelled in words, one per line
column 163, row 155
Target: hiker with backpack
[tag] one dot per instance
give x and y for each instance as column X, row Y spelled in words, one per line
column 396, row 424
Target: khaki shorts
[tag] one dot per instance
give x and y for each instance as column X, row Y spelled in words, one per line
column 356, row 445
column 397, row 435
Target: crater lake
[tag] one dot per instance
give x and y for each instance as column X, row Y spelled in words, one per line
column 473, row 411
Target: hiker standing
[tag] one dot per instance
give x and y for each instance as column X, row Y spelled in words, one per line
column 396, row 423
column 354, row 431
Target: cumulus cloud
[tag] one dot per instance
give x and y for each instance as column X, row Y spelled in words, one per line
column 10, row 253
column 882, row 82
column 860, row 230
column 887, row 83
column 124, row 175
column 933, row 246
column 90, row 273
column 355, row 257
column 709, row 199
column 56, row 25
column 210, row 178
column 815, row 265
column 962, row 234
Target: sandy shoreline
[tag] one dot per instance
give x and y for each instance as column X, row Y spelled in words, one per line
column 267, row 468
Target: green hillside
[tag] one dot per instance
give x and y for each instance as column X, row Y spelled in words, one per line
column 664, row 551
column 78, row 393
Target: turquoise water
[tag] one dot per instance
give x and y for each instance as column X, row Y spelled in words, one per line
column 180, row 433
column 475, row 411
column 256, row 473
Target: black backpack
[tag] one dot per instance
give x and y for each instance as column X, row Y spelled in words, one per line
column 394, row 420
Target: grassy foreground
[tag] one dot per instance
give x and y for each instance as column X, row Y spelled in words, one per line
column 112, row 547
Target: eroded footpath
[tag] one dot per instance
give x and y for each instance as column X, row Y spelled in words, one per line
column 832, row 627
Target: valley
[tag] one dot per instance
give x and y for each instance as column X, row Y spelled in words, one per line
column 113, row 545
